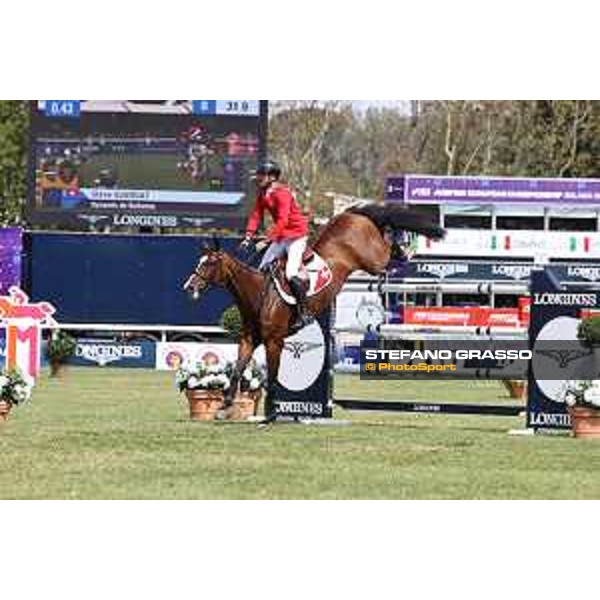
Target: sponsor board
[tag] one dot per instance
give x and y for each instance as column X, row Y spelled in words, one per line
column 428, row 189
column 513, row 243
column 479, row 316
column 172, row 355
column 105, row 353
column 555, row 315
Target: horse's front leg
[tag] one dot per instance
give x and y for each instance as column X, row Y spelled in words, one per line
column 273, row 349
column 245, row 352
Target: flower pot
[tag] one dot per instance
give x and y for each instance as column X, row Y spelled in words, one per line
column 244, row 406
column 57, row 368
column 4, row 410
column 204, row 404
column 516, row 388
column 585, row 422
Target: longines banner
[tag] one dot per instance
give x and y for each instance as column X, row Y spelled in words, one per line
column 104, row 353
column 493, row 271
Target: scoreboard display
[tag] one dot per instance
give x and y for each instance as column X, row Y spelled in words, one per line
column 114, row 164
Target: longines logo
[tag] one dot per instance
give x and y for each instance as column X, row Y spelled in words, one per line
column 513, row 271
column 298, row 348
column 547, row 298
column 541, row 419
column 442, row 270
column 145, row 220
column 103, row 354
column 564, row 357
column 302, row 359
column 589, row 273
column 92, row 219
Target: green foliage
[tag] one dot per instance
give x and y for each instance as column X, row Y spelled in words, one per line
column 588, row 331
column 14, row 123
column 61, row 346
column 231, row 322
column 14, row 388
column 326, row 147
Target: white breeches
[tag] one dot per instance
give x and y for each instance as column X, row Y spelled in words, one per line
column 294, row 250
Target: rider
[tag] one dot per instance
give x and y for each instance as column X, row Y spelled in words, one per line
column 288, row 235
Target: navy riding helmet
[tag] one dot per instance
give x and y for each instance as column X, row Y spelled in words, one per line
column 268, row 167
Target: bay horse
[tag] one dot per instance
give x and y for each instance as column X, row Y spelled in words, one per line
column 353, row 240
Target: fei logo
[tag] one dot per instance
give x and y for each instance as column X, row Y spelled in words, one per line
column 23, row 323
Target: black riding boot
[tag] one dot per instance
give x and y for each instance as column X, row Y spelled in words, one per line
column 303, row 317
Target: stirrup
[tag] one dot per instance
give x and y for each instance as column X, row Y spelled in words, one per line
column 301, row 321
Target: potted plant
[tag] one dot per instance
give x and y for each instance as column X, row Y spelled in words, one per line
column 61, row 346
column 583, row 403
column 252, row 385
column 203, row 386
column 14, row 389
column 517, row 388
column 588, row 331
column 231, row 322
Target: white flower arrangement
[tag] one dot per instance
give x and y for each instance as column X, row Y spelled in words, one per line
column 253, row 378
column 14, row 387
column 583, row 393
column 202, row 377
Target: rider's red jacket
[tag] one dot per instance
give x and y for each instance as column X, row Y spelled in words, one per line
column 289, row 222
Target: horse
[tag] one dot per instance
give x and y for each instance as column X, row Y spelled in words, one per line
column 354, row 240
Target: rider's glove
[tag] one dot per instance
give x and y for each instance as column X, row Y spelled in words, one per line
column 246, row 243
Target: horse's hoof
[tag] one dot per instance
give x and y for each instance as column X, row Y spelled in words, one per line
column 221, row 414
column 268, row 420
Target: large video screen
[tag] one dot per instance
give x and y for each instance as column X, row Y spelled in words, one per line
column 113, row 164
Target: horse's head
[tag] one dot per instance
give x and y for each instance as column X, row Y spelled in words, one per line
column 209, row 271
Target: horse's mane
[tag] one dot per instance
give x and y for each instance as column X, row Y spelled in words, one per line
column 397, row 217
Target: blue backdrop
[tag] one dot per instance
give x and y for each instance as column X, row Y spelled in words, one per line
column 131, row 279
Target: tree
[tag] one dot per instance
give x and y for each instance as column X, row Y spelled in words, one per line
column 14, row 123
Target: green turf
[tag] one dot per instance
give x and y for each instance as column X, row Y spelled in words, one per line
column 116, row 433
column 135, row 171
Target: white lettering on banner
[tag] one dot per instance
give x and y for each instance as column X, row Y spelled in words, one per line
column 103, row 354
column 512, row 271
column 100, row 194
column 145, row 220
column 442, row 269
column 589, row 273
column 550, row 419
column 547, row 298
column 299, row 408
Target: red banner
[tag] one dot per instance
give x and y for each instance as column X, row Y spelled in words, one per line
column 465, row 316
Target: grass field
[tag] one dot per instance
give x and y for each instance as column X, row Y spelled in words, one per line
column 116, row 433
column 136, row 170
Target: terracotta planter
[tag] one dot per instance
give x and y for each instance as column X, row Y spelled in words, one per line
column 244, row 406
column 585, row 422
column 204, row 404
column 516, row 388
column 57, row 369
column 4, row 410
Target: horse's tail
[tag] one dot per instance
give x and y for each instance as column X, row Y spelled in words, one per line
column 397, row 217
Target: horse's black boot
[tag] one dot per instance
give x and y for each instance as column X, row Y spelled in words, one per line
column 303, row 317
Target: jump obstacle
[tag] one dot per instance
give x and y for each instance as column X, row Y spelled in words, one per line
column 551, row 300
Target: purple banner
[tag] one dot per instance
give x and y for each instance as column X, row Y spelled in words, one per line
column 10, row 258
column 423, row 189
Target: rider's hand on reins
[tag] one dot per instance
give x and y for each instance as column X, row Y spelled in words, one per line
column 246, row 243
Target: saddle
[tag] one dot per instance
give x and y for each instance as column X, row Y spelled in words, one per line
column 314, row 271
